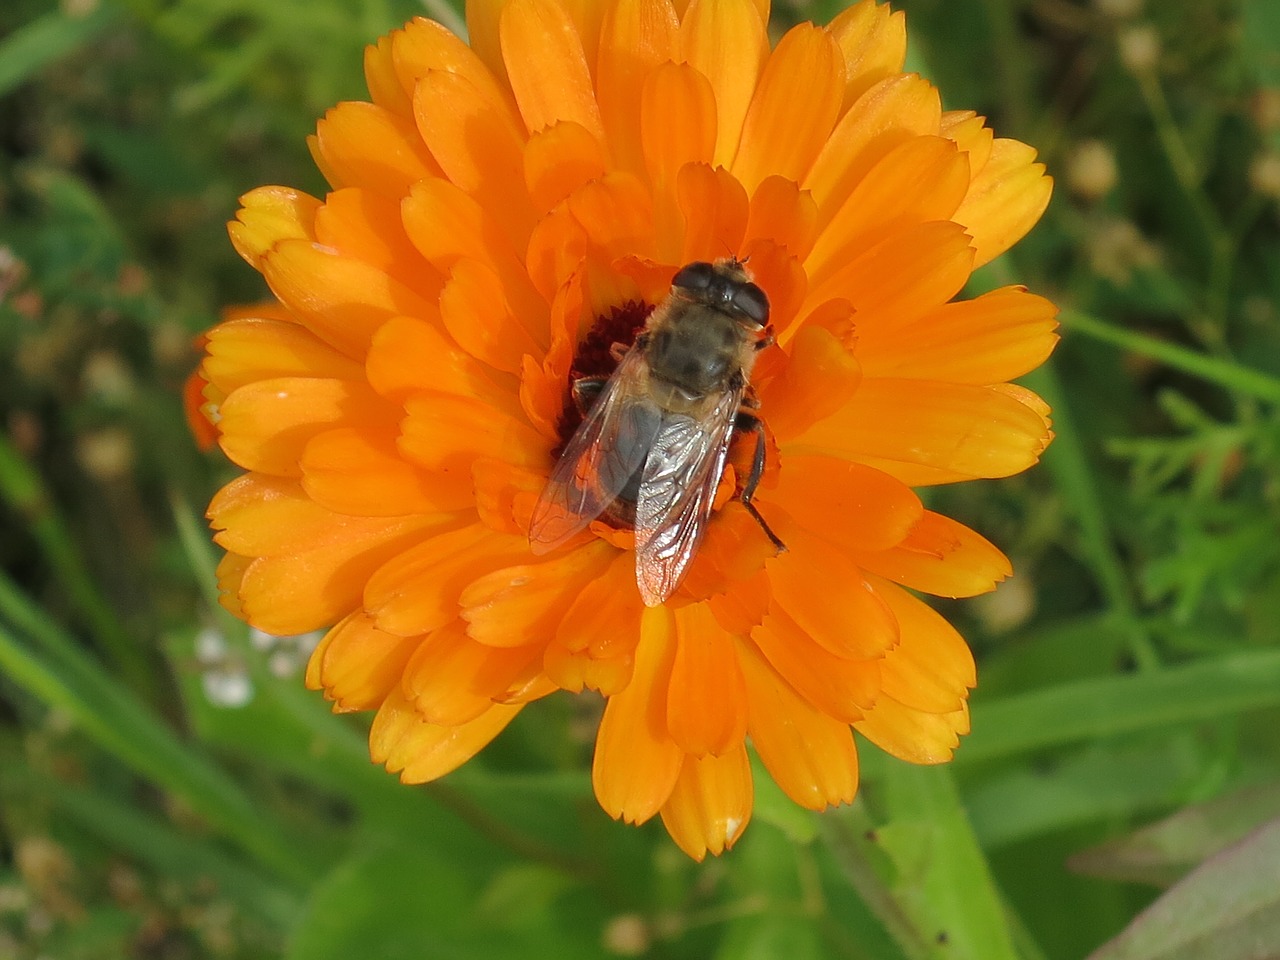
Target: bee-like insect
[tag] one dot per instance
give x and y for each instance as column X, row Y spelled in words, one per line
column 656, row 435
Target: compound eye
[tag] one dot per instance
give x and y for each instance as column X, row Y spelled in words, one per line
column 694, row 276
column 752, row 303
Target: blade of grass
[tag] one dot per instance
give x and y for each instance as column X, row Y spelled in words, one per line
column 24, row 490
column 1225, row 373
column 1107, row 706
column 46, row 39
column 65, row 678
column 173, row 853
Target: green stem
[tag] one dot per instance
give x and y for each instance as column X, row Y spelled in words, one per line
column 1225, row 373
column 847, row 834
column 1177, row 153
column 1069, row 463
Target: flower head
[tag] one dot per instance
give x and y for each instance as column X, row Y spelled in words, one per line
column 503, row 218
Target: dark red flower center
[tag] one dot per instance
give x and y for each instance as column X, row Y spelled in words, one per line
column 594, row 359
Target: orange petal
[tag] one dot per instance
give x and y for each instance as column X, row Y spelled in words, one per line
column 556, row 252
column 478, row 145
column 899, row 279
column 606, row 616
column 842, row 689
column 381, row 79
column 265, row 425
column 636, row 762
column 424, row 47
column 560, row 159
column 913, row 735
column 577, row 671
column 421, row 751
column 636, row 36
column 343, row 301
column 873, row 40
column 505, row 494
column 199, row 410
column 781, row 277
column 524, row 604
column 921, row 180
column 360, row 472
column 794, row 107
column 451, row 679
column 616, row 212
column 417, row 591
column 410, row 356
column 448, row 433
column 357, row 665
column 711, row 804
column 847, row 503
column 932, row 668
column 852, row 622
column 296, row 592
column 268, row 215
column 547, row 66
column 230, row 573
column 250, row 349
column 677, row 126
column 890, row 113
column 971, row 135
column 447, row 227
column 731, row 556
column 808, row 754
column 726, row 41
column 941, row 557
column 706, row 701
column 783, row 213
column 482, row 33
column 367, row 227
column 602, row 623
column 362, row 145
column 819, row 379
column 715, row 210
column 958, row 429
column 479, row 315
column 990, row 339
column 1005, row 200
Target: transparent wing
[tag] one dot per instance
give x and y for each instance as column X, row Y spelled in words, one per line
column 603, row 455
column 677, row 491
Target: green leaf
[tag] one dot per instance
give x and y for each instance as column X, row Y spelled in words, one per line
column 409, row 902
column 918, row 865
column 1227, row 909
column 55, row 35
column 1260, row 39
column 1107, row 706
column 1095, row 784
column 1165, row 851
column 770, row 937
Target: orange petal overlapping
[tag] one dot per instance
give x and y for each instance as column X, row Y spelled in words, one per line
column 397, row 409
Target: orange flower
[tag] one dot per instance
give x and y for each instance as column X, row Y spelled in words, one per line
column 503, row 213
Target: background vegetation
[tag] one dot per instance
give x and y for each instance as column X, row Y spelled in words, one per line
column 168, row 790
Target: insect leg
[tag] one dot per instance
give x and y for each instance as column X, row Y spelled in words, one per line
column 586, row 390
column 748, row 421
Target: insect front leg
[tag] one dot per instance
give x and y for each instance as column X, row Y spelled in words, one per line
column 585, row 391
column 748, row 422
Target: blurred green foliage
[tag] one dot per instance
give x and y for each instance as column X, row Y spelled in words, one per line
column 167, row 790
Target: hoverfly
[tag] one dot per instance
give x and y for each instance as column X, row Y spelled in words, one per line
column 653, row 445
